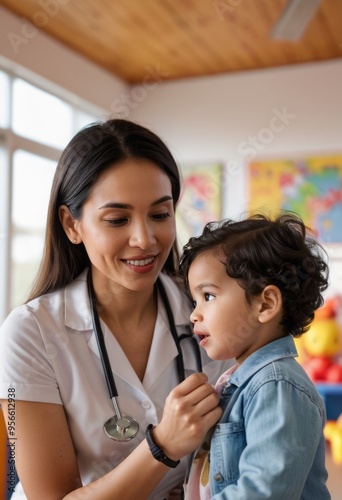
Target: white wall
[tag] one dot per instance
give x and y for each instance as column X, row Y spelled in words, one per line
column 29, row 50
column 214, row 118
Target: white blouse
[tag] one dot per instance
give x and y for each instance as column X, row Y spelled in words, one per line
column 49, row 353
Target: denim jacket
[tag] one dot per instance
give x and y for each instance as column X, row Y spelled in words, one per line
column 269, row 441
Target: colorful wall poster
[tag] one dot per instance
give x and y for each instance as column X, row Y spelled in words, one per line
column 309, row 186
column 200, row 200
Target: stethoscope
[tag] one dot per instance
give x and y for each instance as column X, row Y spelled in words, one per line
column 122, row 427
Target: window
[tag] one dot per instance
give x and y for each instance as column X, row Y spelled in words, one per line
column 35, row 126
column 40, row 116
column 31, row 184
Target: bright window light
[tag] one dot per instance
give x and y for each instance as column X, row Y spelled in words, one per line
column 32, row 180
column 40, row 116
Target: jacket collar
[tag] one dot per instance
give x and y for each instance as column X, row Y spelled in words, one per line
column 278, row 349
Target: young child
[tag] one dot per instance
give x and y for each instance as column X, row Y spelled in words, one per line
column 255, row 285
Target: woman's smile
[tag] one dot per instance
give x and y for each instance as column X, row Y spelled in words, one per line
column 140, row 265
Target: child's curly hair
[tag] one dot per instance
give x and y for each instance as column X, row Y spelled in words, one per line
column 262, row 252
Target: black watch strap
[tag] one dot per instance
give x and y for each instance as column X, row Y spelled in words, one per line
column 157, row 452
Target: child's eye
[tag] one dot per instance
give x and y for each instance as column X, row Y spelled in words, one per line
column 162, row 216
column 194, row 303
column 208, row 297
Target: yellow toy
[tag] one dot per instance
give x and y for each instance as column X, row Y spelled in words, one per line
column 319, row 346
column 333, row 433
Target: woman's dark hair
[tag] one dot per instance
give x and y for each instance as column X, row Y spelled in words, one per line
column 93, row 150
column 260, row 252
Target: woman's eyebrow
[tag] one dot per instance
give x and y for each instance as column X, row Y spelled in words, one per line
column 112, row 204
column 161, row 200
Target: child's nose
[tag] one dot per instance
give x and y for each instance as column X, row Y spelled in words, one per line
column 194, row 315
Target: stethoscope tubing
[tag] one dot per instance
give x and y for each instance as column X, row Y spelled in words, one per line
column 107, row 369
column 178, row 338
column 179, row 359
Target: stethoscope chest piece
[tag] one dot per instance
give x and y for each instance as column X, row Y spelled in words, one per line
column 121, row 429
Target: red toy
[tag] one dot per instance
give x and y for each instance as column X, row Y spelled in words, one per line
column 322, row 344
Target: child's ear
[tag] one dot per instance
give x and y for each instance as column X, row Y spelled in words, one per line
column 270, row 303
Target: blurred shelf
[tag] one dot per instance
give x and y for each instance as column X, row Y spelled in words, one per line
column 332, row 396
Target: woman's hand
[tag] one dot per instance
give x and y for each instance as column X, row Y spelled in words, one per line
column 190, row 410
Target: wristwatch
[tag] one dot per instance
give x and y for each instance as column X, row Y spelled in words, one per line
column 157, row 452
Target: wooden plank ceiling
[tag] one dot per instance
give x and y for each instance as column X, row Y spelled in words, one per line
column 182, row 38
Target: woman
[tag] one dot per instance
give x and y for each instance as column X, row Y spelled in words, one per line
column 109, row 252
